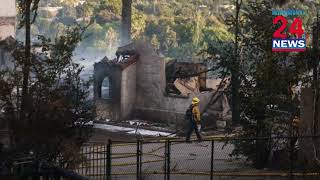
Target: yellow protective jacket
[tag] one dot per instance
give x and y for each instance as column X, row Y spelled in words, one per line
column 196, row 113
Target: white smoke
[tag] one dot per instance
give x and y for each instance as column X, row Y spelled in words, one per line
column 87, row 60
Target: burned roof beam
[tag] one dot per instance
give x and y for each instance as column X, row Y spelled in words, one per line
column 191, row 75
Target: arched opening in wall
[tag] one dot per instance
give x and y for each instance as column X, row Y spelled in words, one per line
column 106, row 88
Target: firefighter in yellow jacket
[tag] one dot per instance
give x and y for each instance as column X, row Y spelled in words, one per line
column 193, row 118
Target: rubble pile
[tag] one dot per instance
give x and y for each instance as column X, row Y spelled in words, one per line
column 185, row 78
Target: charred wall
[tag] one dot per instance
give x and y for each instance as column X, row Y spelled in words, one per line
column 138, row 88
column 150, row 77
column 172, row 110
column 128, row 91
column 152, row 103
column 107, row 108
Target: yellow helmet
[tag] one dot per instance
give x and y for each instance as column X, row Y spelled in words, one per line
column 195, row 100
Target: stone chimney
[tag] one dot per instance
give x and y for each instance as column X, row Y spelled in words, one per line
column 7, row 18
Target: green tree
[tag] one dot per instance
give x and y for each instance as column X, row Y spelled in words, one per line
column 199, row 24
column 184, row 31
column 155, row 42
column 71, row 3
column 138, row 23
column 60, row 112
column 235, row 81
column 26, row 8
column 168, row 39
column 265, row 89
column 67, row 11
column 57, row 29
column 112, row 5
column 215, row 34
column 152, row 27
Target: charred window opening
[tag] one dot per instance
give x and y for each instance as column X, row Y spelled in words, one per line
column 105, row 88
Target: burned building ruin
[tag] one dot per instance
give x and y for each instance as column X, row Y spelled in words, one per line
column 142, row 86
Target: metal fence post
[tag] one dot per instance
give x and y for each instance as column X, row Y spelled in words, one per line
column 36, row 170
column 291, row 150
column 141, row 143
column 108, row 166
column 212, row 157
column 168, row 159
column 165, row 160
column 138, row 173
column 291, row 157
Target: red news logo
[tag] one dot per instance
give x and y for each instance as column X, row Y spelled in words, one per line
column 292, row 40
column 295, row 28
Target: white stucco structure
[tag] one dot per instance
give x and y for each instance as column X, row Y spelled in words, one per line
column 7, row 8
column 7, row 18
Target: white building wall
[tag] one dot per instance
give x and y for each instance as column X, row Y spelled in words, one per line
column 6, row 31
column 7, row 8
column 7, row 18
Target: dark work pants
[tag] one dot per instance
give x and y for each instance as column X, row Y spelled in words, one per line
column 193, row 126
